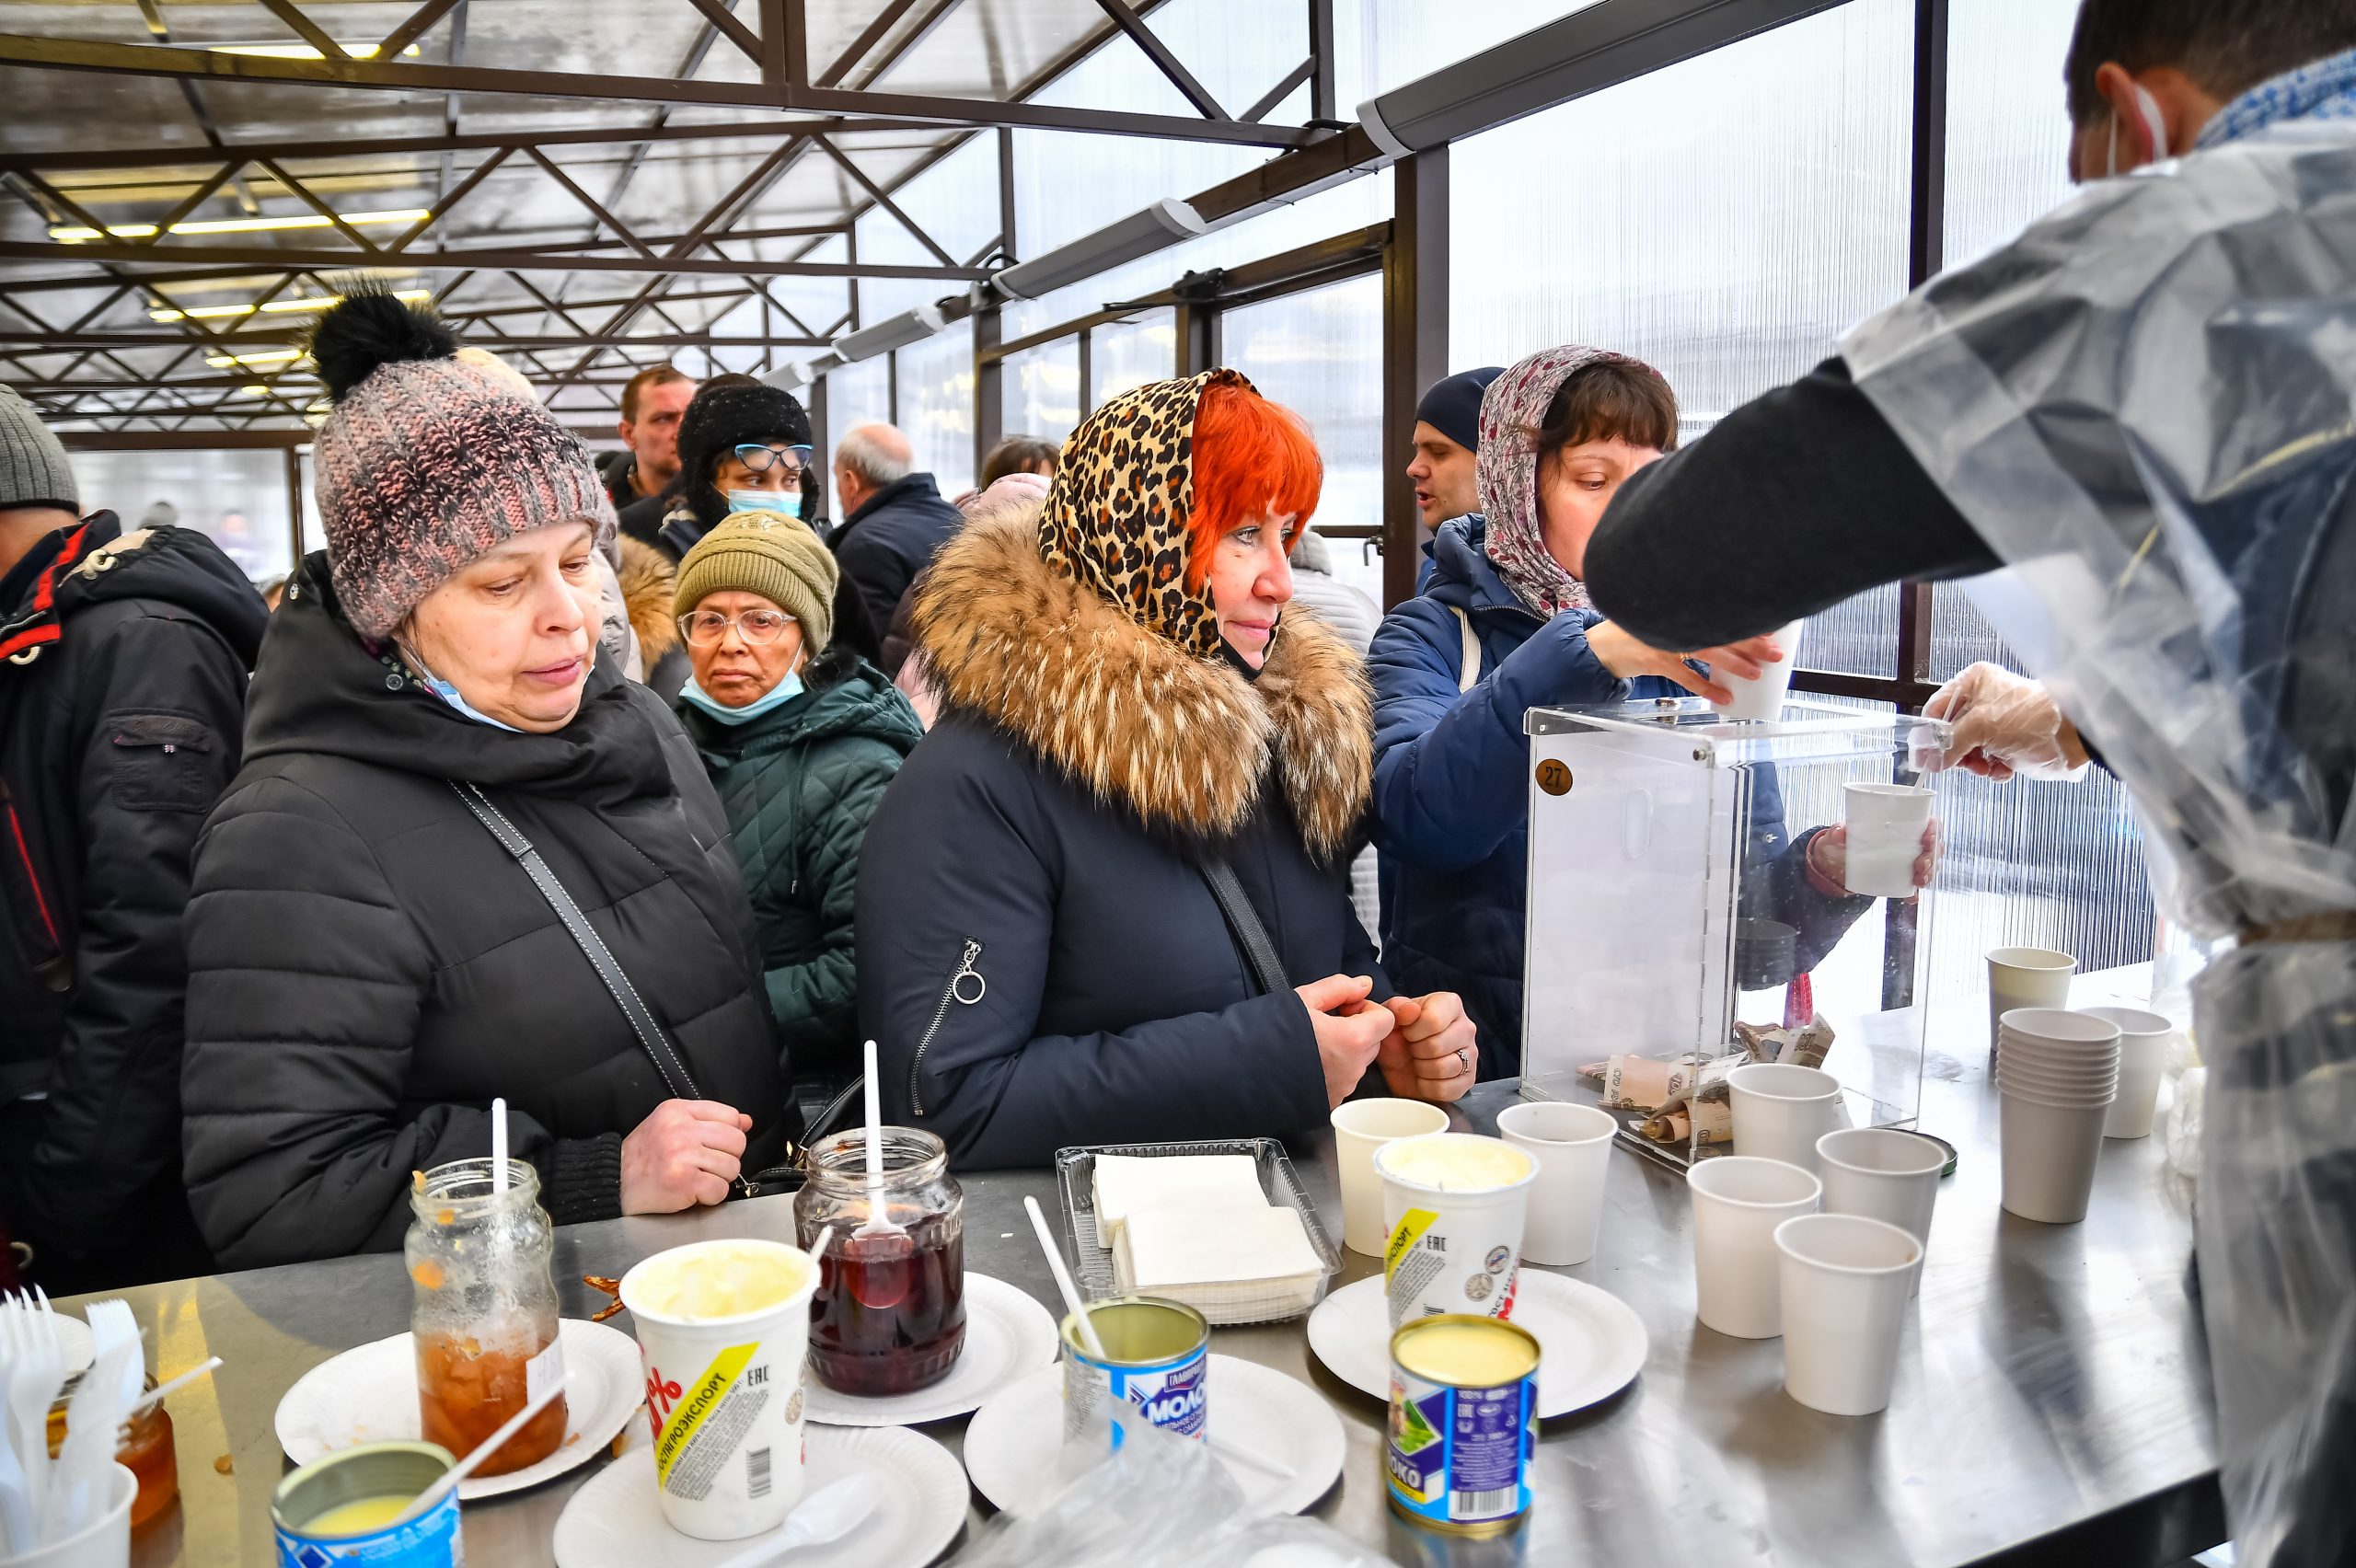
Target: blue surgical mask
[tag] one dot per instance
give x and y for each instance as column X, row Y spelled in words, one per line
column 449, row 693
column 783, row 692
column 787, row 502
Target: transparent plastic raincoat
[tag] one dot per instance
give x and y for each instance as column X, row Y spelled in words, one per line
column 2147, row 407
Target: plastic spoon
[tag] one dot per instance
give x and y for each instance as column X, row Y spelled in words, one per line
column 498, row 1145
column 828, row 1514
column 879, row 1255
column 431, row 1496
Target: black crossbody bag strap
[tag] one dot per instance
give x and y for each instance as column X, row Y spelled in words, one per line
column 593, row 947
column 1244, row 925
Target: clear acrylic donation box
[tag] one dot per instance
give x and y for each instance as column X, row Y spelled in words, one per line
column 1706, row 892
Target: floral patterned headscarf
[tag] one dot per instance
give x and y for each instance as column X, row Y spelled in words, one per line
column 1117, row 513
column 1506, row 465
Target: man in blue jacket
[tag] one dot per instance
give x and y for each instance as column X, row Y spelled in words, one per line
column 1504, row 625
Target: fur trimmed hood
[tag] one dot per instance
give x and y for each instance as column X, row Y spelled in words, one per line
column 1184, row 741
column 647, row 578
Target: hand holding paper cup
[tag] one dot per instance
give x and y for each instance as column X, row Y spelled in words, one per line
column 1762, row 697
column 1888, row 835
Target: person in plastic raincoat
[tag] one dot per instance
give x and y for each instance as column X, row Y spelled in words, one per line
column 2144, row 407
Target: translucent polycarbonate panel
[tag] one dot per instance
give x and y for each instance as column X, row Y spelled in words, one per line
column 1041, row 389
column 1857, row 636
column 2008, row 130
column 1329, row 212
column 955, row 202
column 987, row 48
column 1123, row 354
column 1319, row 354
column 936, row 406
column 817, row 303
column 1960, row 635
column 238, row 497
column 1726, row 218
column 1380, row 44
column 859, row 394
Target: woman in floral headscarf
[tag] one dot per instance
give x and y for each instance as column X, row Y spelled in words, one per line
column 1107, row 899
column 1504, row 625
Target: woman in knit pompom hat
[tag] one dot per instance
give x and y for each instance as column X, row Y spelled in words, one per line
column 369, row 966
column 799, row 736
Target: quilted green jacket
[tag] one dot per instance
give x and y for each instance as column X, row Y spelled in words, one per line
column 799, row 785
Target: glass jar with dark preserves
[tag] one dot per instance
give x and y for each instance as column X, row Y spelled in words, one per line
column 145, row 1447
column 889, row 1315
column 483, row 1311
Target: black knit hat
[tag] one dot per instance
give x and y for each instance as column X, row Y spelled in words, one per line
column 719, row 418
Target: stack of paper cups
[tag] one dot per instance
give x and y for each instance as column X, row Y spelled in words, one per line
column 2058, row 1073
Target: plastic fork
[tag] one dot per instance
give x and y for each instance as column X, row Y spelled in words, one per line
column 37, row 1370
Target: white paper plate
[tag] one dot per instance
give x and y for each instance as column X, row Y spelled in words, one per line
column 369, row 1395
column 1007, row 1336
column 614, row 1520
column 73, row 1337
column 1012, row 1444
column 1592, row 1345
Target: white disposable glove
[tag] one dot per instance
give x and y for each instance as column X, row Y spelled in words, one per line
column 2004, row 724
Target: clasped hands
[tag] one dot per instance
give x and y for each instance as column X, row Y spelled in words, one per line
column 1425, row 1045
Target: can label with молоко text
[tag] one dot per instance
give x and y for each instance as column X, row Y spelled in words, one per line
column 1155, row 1367
column 1464, row 1423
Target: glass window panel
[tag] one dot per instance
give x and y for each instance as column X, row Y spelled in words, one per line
column 859, row 394
column 1130, row 353
column 2008, row 129
column 936, row 406
column 1329, row 212
column 1381, row 44
column 1041, row 389
column 238, row 497
column 1319, row 354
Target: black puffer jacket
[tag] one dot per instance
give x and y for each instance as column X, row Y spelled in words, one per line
column 1040, row 960
column 368, row 967
column 887, row 544
column 122, row 693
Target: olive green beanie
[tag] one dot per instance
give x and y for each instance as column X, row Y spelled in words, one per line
column 769, row 554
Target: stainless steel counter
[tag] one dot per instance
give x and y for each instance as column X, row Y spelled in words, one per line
column 2052, row 1399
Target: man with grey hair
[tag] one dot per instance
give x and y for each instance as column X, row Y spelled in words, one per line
column 894, row 518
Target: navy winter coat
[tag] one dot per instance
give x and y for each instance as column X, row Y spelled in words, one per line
column 1451, row 802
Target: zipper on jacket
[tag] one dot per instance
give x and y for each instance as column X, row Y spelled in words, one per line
column 948, row 993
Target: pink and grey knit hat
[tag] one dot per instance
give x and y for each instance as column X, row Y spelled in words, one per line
column 425, row 463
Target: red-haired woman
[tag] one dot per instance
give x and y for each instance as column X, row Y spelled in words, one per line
column 1108, row 899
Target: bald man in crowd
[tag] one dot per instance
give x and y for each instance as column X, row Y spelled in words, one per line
column 893, row 518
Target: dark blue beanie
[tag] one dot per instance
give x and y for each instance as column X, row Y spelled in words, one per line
column 1452, row 406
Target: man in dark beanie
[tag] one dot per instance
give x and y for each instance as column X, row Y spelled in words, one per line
column 745, row 447
column 123, row 659
column 1448, row 433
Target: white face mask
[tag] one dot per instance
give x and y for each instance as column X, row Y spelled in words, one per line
column 787, row 502
column 2155, row 126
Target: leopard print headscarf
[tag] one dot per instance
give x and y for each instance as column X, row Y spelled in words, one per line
column 1124, row 492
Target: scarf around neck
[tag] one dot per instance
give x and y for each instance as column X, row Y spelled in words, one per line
column 2321, row 89
column 1117, row 511
column 1506, row 465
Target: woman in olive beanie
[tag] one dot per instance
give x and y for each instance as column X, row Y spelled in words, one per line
column 799, row 736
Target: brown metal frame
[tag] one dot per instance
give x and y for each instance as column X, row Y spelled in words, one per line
column 581, row 332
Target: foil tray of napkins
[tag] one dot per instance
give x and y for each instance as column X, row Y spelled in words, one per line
column 1221, row 1226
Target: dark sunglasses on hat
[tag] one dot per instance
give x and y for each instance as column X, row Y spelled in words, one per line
column 759, row 457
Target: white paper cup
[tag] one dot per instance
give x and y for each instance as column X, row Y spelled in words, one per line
column 724, row 1391
column 1882, row 1173
column 1737, row 1203
column 2026, row 977
column 2050, row 1155
column 1780, row 1109
column 1845, row 1280
column 2143, row 1041
column 1454, row 1205
column 1361, row 1126
column 1762, row 698
column 1573, row 1146
column 1885, row 823
column 105, row 1543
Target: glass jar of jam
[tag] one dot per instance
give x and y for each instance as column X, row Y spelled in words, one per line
column 889, row 1315
column 483, row 1310
column 145, row 1448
